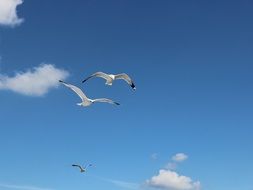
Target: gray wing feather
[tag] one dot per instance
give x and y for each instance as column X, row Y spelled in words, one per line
column 105, row 100
column 77, row 90
column 126, row 78
column 98, row 74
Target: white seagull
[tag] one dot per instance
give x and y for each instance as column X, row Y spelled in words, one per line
column 82, row 169
column 86, row 101
column 110, row 78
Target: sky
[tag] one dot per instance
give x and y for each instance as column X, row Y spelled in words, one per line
column 188, row 126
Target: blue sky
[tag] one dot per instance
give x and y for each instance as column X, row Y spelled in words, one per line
column 192, row 63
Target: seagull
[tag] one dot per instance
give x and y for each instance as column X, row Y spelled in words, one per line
column 82, row 169
column 86, row 101
column 110, row 78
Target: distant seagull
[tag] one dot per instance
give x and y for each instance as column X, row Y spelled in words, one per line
column 110, row 78
column 82, row 169
column 86, row 101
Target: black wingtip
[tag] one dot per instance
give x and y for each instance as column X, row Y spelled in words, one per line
column 84, row 80
column 133, row 86
column 117, row 103
column 60, row 81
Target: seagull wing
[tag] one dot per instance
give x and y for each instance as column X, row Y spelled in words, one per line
column 106, row 101
column 98, row 74
column 75, row 165
column 126, row 78
column 88, row 165
column 77, row 90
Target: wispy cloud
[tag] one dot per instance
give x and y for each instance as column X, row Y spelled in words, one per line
column 170, row 180
column 23, row 187
column 124, row 184
column 34, row 82
column 179, row 157
column 120, row 183
column 171, row 166
column 154, row 156
column 8, row 12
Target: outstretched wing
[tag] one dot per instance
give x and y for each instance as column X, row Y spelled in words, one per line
column 106, row 101
column 126, row 78
column 88, row 165
column 77, row 90
column 75, row 165
column 98, row 74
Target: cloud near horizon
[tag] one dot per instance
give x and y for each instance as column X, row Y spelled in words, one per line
column 22, row 187
column 124, row 184
column 120, row 183
column 8, row 12
column 170, row 180
column 34, row 82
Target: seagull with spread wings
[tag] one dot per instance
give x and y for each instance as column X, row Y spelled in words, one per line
column 82, row 169
column 110, row 78
column 85, row 100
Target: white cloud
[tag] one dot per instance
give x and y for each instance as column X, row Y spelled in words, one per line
column 35, row 82
column 179, row 157
column 8, row 12
column 22, row 187
column 170, row 180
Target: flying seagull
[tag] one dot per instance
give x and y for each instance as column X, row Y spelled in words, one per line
column 86, row 101
column 82, row 169
column 110, row 78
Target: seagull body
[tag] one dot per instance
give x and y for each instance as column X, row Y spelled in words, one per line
column 85, row 100
column 82, row 169
column 110, row 78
